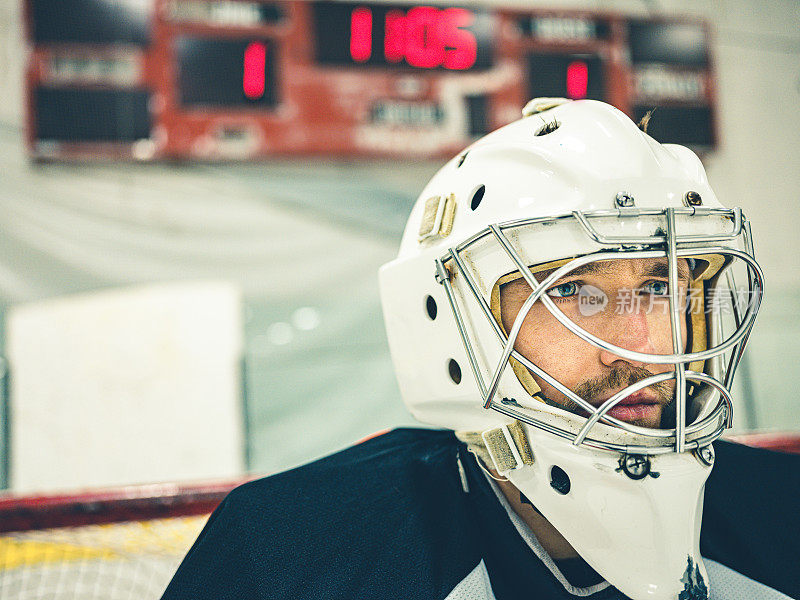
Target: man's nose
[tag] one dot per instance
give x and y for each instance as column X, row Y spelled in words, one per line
column 632, row 330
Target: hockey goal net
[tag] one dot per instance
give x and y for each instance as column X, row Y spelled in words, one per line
column 112, row 544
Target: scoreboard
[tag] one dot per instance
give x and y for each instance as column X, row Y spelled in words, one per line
column 247, row 79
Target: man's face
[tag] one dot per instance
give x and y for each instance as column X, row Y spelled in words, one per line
column 624, row 302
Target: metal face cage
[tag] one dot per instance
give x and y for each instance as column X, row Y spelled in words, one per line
column 610, row 235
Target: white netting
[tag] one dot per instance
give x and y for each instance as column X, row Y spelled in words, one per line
column 132, row 560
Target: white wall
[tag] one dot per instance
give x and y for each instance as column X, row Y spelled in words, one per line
column 135, row 385
column 758, row 168
column 12, row 62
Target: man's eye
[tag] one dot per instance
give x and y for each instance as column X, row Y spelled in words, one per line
column 565, row 290
column 656, row 288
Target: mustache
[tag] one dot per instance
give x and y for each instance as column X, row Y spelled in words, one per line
column 622, row 377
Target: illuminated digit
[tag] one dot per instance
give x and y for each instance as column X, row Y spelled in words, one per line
column 424, row 47
column 577, row 79
column 361, row 34
column 255, row 62
column 394, row 39
column 461, row 47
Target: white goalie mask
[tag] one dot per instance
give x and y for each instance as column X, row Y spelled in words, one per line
column 557, row 393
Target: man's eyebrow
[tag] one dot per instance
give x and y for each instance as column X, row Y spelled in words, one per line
column 662, row 270
column 591, row 268
column 659, row 269
column 588, row 269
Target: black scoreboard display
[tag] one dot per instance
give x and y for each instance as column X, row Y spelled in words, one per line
column 402, row 36
column 681, row 44
column 245, row 79
column 91, row 21
column 225, row 72
column 670, row 69
column 574, row 76
column 86, row 115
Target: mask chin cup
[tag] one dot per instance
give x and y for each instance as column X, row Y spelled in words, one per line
column 641, row 534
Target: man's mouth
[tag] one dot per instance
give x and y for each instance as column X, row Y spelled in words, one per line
column 642, row 406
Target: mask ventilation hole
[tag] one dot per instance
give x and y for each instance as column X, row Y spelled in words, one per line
column 430, row 307
column 548, row 127
column 462, row 159
column 477, row 197
column 559, row 480
column 454, row 370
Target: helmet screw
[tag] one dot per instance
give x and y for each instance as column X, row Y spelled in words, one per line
column 635, row 466
column 692, row 199
column 623, row 200
column 705, row 455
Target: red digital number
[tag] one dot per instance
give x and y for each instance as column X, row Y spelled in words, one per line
column 577, row 79
column 462, row 48
column 361, row 34
column 395, row 36
column 255, row 62
column 426, row 37
column 424, row 47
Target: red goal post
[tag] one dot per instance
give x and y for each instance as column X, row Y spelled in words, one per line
column 777, row 441
column 129, row 503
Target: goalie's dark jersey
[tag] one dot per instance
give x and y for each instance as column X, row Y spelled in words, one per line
column 390, row 519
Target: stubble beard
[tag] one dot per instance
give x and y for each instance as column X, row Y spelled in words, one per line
column 620, row 377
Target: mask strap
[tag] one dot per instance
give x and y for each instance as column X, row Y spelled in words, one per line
column 505, row 448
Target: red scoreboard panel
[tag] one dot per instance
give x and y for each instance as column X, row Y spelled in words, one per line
column 244, row 79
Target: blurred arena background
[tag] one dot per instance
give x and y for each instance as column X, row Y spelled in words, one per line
column 195, row 197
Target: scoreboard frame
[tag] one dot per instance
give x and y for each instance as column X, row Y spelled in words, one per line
column 344, row 110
